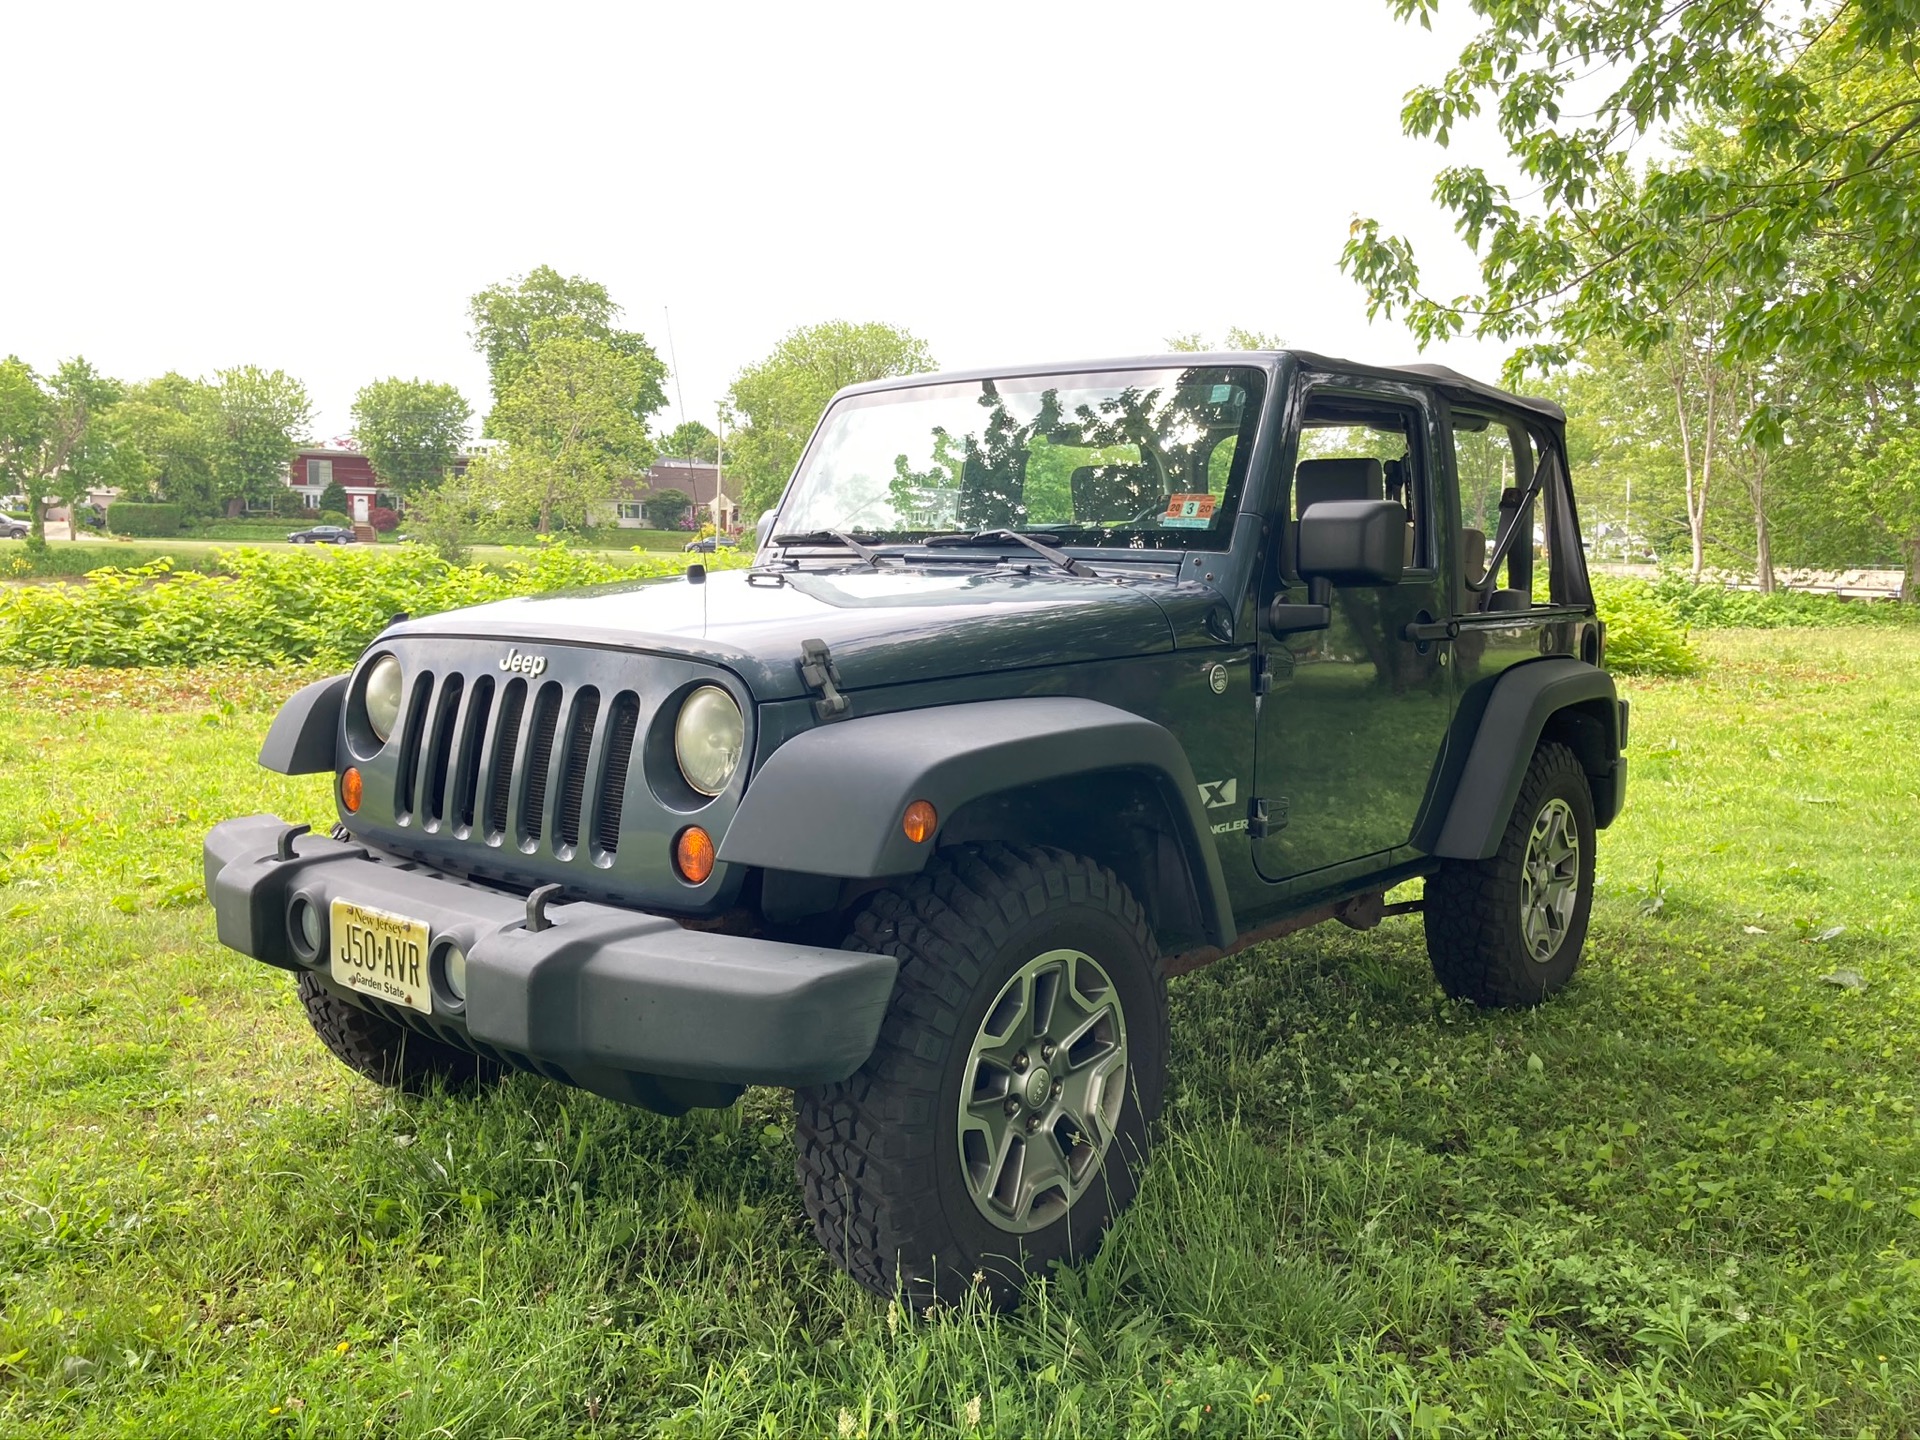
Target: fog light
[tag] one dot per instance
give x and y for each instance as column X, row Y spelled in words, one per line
column 919, row 821
column 453, row 971
column 306, row 926
column 693, row 855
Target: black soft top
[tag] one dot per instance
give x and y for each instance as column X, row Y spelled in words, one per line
column 1441, row 376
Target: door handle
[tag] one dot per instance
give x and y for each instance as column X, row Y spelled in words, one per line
column 1427, row 630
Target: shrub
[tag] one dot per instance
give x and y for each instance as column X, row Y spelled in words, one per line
column 1714, row 607
column 133, row 517
column 334, row 517
column 1645, row 635
column 278, row 607
column 384, row 520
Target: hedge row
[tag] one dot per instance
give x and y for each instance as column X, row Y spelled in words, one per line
column 263, row 607
column 137, row 518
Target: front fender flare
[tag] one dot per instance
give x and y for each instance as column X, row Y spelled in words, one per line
column 300, row 740
column 830, row 801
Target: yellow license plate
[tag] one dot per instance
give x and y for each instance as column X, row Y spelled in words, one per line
column 381, row 954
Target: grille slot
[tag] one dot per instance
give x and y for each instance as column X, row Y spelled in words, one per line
column 467, row 768
column 613, row 772
column 573, row 778
column 440, row 750
column 413, row 725
column 546, row 720
column 513, row 706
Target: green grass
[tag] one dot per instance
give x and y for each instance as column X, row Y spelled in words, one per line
column 71, row 558
column 1684, row 1199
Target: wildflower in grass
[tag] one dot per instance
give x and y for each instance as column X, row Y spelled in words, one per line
column 970, row 1412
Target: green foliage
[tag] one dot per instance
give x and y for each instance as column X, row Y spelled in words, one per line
column 508, row 320
column 174, row 434
column 669, row 507
column 1238, row 337
column 1793, row 195
column 1712, row 607
column 783, row 396
column 264, row 414
column 56, row 441
column 334, row 498
column 1645, row 635
column 1678, row 1200
column 690, row 440
column 131, row 517
column 568, row 421
column 280, row 607
column 411, row 430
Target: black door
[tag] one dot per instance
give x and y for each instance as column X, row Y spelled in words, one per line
column 1353, row 725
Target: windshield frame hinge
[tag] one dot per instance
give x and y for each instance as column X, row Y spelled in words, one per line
column 821, row 675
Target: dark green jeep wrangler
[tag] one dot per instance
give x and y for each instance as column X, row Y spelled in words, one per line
column 1045, row 686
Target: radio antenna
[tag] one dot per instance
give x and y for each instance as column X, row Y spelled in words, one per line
column 673, row 359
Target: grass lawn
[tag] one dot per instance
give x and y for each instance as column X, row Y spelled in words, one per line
column 75, row 558
column 1682, row 1200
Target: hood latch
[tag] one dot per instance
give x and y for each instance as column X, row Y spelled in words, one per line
column 822, row 676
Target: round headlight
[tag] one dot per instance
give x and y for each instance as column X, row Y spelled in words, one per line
column 708, row 738
column 383, row 697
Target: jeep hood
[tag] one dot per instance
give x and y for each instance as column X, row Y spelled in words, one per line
column 885, row 627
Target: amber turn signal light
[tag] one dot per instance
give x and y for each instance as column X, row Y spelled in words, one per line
column 350, row 789
column 693, row 855
column 919, row 821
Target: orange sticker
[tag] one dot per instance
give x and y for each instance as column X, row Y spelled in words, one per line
column 1192, row 512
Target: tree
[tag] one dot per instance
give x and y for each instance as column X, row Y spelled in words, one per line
column 1238, row 338
column 412, row 431
column 447, row 516
column 568, row 422
column 690, row 440
column 264, row 415
column 334, row 498
column 1887, row 486
column 783, row 396
column 56, row 438
column 669, row 507
column 507, row 318
column 173, row 435
column 1802, row 215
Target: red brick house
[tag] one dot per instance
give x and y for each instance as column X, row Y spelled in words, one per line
column 317, row 466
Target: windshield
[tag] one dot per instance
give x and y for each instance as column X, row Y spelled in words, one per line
column 1142, row 458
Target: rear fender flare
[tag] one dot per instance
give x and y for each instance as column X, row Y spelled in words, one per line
column 1551, row 698
column 830, row 801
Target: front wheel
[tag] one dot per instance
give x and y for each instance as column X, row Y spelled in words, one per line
column 387, row 1053
column 1508, row 930
column 1002, row 1121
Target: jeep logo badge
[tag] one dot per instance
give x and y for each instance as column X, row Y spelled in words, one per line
column 525, row 662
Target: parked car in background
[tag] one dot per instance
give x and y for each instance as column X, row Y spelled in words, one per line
column 322, row 535
column 13, row 529
column 707, row 544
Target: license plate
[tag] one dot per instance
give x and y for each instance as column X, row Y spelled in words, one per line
column 381, row 954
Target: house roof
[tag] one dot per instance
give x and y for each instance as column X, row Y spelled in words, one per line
column 694, row 478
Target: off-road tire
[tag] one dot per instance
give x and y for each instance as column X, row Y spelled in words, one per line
column 1473, row 909
column 387, row 1053
column 878, row 1154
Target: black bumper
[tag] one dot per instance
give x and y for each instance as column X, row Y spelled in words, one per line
column 605, row 998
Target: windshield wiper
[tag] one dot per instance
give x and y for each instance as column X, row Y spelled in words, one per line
column 999, row 537
column 838, row 537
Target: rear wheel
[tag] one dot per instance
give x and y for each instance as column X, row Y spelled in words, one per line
column 387, row 1053
column 1508, row 930
column 1001, row 1123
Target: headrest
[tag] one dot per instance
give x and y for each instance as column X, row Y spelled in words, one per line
column 1473, row 544
column 1343, row 479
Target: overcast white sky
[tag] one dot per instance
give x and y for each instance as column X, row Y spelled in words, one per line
column 321, row 187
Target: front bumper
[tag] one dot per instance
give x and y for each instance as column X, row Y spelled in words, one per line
column 605, row 998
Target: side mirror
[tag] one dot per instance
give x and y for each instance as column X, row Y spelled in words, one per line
column 763, row 529
column 1354, row 542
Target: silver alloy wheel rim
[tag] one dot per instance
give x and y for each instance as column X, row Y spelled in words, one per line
column 1041, row 1093
column 1550, row 881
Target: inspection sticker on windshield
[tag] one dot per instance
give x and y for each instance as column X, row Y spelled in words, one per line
column 1189, row 512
